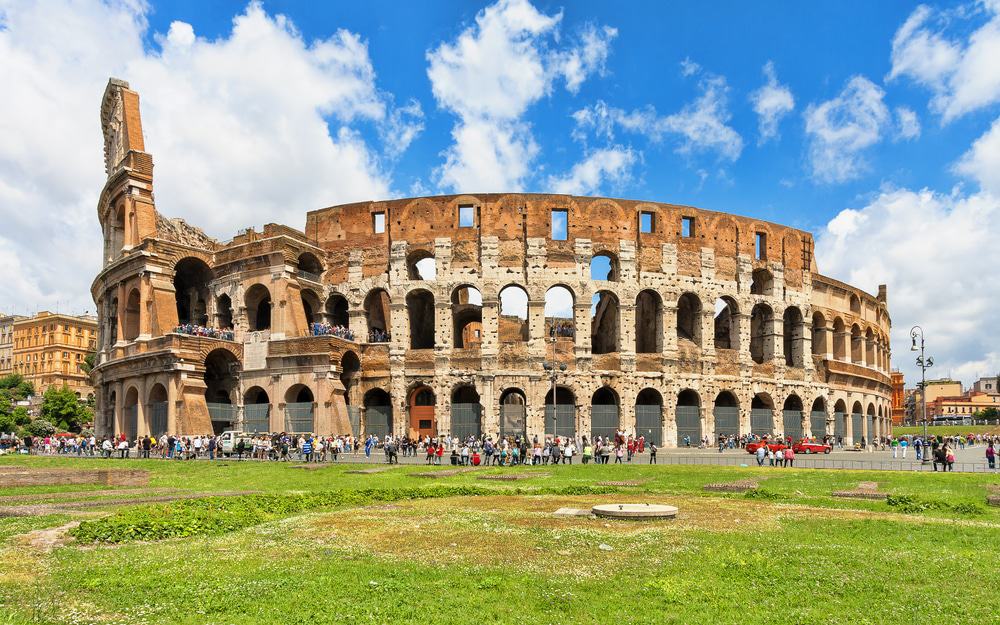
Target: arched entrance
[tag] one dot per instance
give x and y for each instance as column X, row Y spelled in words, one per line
column 258, row 304
column 688, row 418
column 513, row 406
column 422, row 422
column 377, row 316
column 791, row 417
column 256, row 410
column 350, row 371
column 560, row 413
column 221, row 378
column 378, row 413
column 299, row 409
column 649, row 416
column 467, row 317
column 604, row 414
column 466, row 413
column 839, row 420
column 157, row 407
column 857, row 422
column 191, row 278
column 727, row 415
column 420, row 306
column 761, row 414
column 130, row 414
column 817, row 419
column 648, row 322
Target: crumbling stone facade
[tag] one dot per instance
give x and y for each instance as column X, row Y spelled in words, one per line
column 478, row 314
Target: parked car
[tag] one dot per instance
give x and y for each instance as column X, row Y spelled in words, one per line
column 774, row 445
column 809, row 447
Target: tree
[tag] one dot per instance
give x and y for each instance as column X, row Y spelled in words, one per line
column 61, row 407
column 40, row 427
column 88, row 362
column 13, row 388
column 989, row 414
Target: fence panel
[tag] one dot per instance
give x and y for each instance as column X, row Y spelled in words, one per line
column 688, row 424
column 560, row 420
column 354, row 418
column 603, row 422
column 158, row 418
column 299, row 417
column 817, row 423
column 378, row 420
column 649, row 423
column 792, row 422
column 223, row 413
column 466, row 420
column 761, row 421
column 131, row 422
column 257, row 418
column 839, row 425
column 512, row 420
column 856, row 422
column 727, row 421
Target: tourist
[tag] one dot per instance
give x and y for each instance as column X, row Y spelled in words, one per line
column 761, row 454
column 652, row 453
column 789, row 457
column 588, row 453
column 779, row 458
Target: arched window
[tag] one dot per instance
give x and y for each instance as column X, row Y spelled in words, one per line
column 157, row 410
column 513, row 323
column 258, row 304
column 649, row 416
column 820, row 340
column 857, row 344
column 727, row 414
column 420, row 265
column 560, row 413
column 378, row 413
column 467, row 317
column 762, row 282
column 310, row 307
column 377, row 316
column 513, row 409
column 420, row 306
column 870, row 348
column 791, row 416
column 422, row 417
column 350, row 372
column 727, row 324
column 191, row 278
column 132, row 313
column 224, row 312
column 689, row 318
column 299, row 409
column 761, row 415
column 793, row 337
column 604, row 266
column 855, row 304
column 130, row 413
column 839, row 339
column 604, row 414
column 309, row 267
column 648, row 323
column 817, row 418
column 688, row 418
column 256, row 410
column 559, row 321
column 604, row 324
column 761, row 333
column 337, row 310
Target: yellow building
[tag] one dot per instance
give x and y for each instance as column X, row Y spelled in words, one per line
column 49, row 350
column 961, row 405
column 7, row 343
column 935, row 389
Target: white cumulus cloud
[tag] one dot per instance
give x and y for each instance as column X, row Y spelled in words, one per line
column 907, row 123
column 771, row 102
column 611, row 164
column 840, row 129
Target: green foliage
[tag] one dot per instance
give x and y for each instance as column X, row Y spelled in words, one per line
column 15, row 419
column 991, row 413
column 62, row 407
column 40, row 427
column 912, row 504
column 13, row 388
column 761, row 493
column 88, row 362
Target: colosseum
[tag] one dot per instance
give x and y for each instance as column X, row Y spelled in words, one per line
column 489, row 314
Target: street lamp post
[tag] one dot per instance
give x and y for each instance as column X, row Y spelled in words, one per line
column 553, row 368
column 924, row 363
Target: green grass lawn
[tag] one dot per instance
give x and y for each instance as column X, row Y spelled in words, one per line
column 793, row 554
column 945, row 430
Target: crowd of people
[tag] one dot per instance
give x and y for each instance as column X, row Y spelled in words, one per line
column 326, row 329
column 562, row 329
column 378, row 335
column 196, row 330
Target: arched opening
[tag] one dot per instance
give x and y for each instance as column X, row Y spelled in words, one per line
column 793, row 337
column 337, row 311
column 224, row 312
column 604, row 323
column 559, row 324
column 132, row 312
column 157, row 410
column 191, row 278
column 857, row 422
column 130, row 414
column 420, row 265
column 604, row 414
column 871, row 432
column 727, row 324
column 310, row 308
column 791, row 417
column 350, row 373
column 109, row 411
column 256, row 410
column 870, row 348
column 820, row 340
column 839, row 420
column 604, row 266
column 689, row 318
column 378, row 413
column 817, row 418
column 856, row 344
column 377, row 316
column 839, row 339
column 117, row 234
column 560, row 413
column 855, row 304
column 649, row 416
column 420, row 307
column 688, row 419
column 727, row 415
column 221, row 381
column 513, row 409
column 761, row 415
column 466, row 413
column 258, row 304
column 422, row 422
column 113, row 322
column 467, row 317
column 761, row 333
column 513, row 323
column 762, row 282
column 648, row 323
column 299, row 409
column 309, row 267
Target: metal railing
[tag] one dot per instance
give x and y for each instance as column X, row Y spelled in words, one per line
column 257, row 418
column 466, row 420
column 603, row 421
column 299, row 417
column 223, row 413
column 158, row 418
column 649, row 423
column 560, row 420
column 308, row 275
column 809, row 462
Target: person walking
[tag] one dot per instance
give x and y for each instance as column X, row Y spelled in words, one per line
column 789, row 457
column 761, row 454
column 652, row 453
column 991, row 456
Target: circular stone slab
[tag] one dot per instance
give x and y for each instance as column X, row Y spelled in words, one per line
column 641, row 511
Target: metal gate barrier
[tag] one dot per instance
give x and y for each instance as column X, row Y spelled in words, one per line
column 299, row 417
column 158, row 418
column 792, row 422
column 649, row 423
column 688, row 424
column 466, row 420
column 761, row 421
column 839, row 425
column 378, row 420
column 512, row 420
column 131, row 414
column 603, row 421
column 354, row 418
column 560, row 420
column 817, row 423
column 727, row 421
column 856, row 423
column 257, row 418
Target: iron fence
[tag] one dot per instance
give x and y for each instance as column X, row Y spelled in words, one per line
column 727, row 420
column 560, row 420
column 649, row 423
column 466, row 420
column 299, row 417
column 158, row 418
column 761, row 421
column 603, row 421
column 378, row 420
column 257, row 418
column 688, row 424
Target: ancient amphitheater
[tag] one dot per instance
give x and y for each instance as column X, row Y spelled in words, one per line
column 469, row 314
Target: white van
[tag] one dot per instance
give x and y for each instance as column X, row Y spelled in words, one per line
column 230, row 438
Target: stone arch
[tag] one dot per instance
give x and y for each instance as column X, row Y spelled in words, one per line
column 792, row 337
column 350, row 375
column 839, row 339
column 857, row 348
column 422, row 402
column 420, row 307
column 560, row 412
column 604, row 265
column 726, row 412
column 559, row 303
column 817, row 418
column 761, row 414
column 337, row 310
column 727, row 323
column 466, row 412
column 467, row 317
column 820, row 340
column 761, row 333
column 133, row 312
column 221, row 376
column 689, row 318
column 791, row 414
column 605, row 413
column 421, row 265
column 870, row 348
column 378, row 413
column 513, row 322
column 309, row 266
column 604, row 323
column 311, row 307
column 648, row 322
column 300, row 403
column 224, row 312
column 258, row 304
column 762, row 282
column 377, row 316
column 855, row 304
column 688, row 417
column 513, row 412
column 649, row 416
column 191, row 293
column 130, row 413
column 156, row 409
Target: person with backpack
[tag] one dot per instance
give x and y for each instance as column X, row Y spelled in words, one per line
column 652, row 453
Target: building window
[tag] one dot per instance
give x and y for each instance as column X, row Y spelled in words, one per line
column 760, row 246
column 687, row 227
column 645, row 222
column 466, row 216
column 560, row 224
column 378, row 222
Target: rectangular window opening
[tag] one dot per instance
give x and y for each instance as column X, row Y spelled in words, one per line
column 687, row 227
column 760, row 246
column 645, row 222
column 560, row 224
column 466, row 216
column 378, row 222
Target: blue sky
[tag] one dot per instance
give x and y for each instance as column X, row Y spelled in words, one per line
column 874, row 125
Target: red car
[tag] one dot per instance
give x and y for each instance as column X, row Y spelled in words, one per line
column 807, row 447
column 773, row 445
